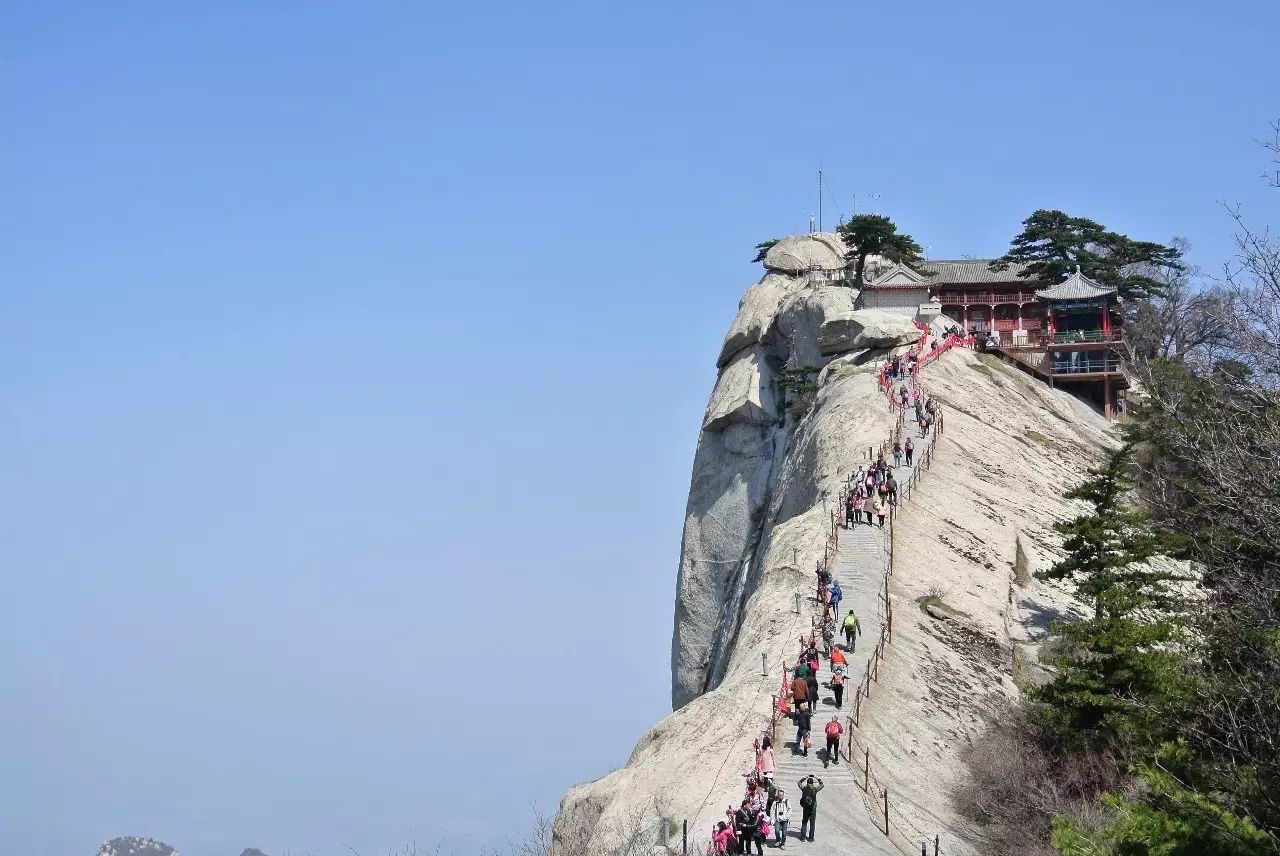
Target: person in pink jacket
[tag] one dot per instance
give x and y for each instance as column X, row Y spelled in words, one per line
column 766, row 763
column 723, row 837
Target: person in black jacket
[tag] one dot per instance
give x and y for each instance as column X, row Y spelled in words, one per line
column 804, row 721
column 744, row 825
column 812, row 680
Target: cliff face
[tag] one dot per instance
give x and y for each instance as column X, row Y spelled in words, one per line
column 765, row 476
column 786, row 320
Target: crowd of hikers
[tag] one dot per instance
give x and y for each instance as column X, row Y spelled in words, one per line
column 765, row 811
column 874, row 489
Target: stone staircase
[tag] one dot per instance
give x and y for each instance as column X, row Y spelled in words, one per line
column 845, row 822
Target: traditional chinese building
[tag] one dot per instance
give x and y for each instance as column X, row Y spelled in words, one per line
column 1067, row 334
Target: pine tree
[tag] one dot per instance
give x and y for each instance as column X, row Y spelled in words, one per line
column 762, row 249
column 1120, row 665
column 874, row 234
column 1052, row 243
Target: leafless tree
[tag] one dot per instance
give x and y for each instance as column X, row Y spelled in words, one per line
column 1187, row 322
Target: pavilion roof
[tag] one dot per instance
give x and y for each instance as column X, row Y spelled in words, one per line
column 1075, row 287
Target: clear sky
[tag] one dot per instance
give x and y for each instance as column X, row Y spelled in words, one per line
column 354, row 355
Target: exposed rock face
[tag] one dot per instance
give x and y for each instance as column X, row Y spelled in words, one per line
column 755, row 314
column 865, row 328
column 778, row 323
column 130, row 845
column 252, row 851
column 743, row 393
column 798, row 253
column 754, row 529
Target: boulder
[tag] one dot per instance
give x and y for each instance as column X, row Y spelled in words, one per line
column 799, row 253
column 939, row 324
column 865, row 328
column 795, row 333
column 847, row 365
column 756, row 312
column 743, row 392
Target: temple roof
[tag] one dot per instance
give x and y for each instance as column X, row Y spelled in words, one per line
column 972, row 272
column 899, row 276
column 1076, row 287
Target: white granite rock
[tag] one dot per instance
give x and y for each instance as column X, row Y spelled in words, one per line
column 799, row 253
column 865, row 328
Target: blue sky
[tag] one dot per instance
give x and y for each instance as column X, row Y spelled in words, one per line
column 355, row 354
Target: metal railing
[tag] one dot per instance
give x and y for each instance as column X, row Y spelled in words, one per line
column 1074, row 337
column 901, row 833
column 1086, row 365
column 990, row 298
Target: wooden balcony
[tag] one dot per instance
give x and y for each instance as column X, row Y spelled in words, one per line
column 990, row 298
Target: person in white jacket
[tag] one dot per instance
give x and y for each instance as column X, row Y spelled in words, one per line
column 779, row 815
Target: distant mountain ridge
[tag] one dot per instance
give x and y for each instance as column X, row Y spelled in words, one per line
column 132, row 845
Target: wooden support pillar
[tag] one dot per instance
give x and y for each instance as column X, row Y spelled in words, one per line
column 1106, row 394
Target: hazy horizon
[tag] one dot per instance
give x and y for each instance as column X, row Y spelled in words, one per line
column 356, row 358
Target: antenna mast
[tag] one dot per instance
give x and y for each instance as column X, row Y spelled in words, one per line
column 819, row 199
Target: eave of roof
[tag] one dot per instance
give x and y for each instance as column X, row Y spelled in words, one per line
column 1075, row 287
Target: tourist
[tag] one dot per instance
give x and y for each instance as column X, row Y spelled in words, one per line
column 891, row 487
column 902, row 396
column 834, row 596
column 804, row 720
column 858, row 501
column 833, row 730
column 837, row 685
column 799, row 689
column 828, row 631
column 809, row 788
column 761, row 832
column 723, row 838
column 765, row 759
column 780, row 815
column 909, row 447
column 851, row 509
column 838, row 658
column 880, row 509
column 897, row 455
column 755, row 795
column 744, row 825
column 867, row 508
column 811, row 656
column 851, row 630
column 812, row 679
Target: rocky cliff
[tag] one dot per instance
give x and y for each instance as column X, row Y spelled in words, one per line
column 788, row 321
column 771, row 459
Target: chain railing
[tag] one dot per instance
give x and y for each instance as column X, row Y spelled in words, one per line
column 877, row 795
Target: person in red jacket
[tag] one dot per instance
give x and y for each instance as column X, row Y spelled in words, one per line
column 834, row 730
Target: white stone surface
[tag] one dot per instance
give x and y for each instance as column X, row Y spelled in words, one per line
column 1011, row 446
column 798, row 253
column 865, row 328
column 744, row 392
column 756, row 312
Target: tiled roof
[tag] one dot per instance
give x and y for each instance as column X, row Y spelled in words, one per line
column 971, row 272
column 905, row 278
column 1076, row 287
